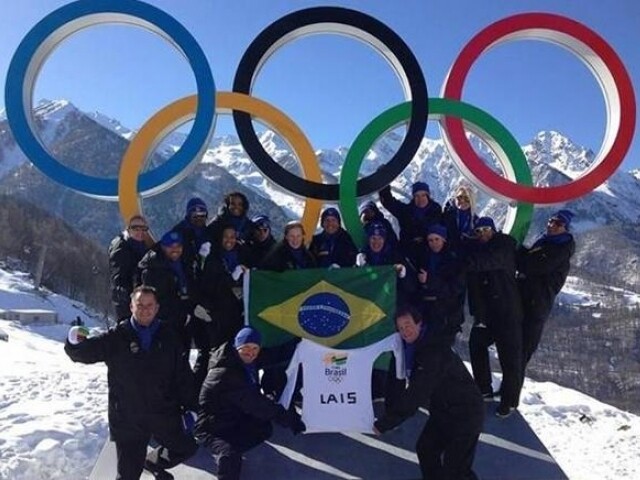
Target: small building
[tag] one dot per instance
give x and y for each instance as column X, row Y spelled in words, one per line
column 28, row 316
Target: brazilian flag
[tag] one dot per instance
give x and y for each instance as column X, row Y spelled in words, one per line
column 342, row 307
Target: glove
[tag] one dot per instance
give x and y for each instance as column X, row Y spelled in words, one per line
column 202, row 313
column 77, row 335
column 189, row 421
column 205, row 249
column 291, row 420
column 361, row 260
column 237, row 273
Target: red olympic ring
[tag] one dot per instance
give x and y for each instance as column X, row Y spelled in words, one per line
column 607, row 67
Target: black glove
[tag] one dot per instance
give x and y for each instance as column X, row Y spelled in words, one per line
column 292, row 420
column 297, row 425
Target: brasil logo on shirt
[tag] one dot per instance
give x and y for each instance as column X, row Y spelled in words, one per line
column 335, row 365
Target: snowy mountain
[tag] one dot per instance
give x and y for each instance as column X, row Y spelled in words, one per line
column 94, row 143
column 53, row 412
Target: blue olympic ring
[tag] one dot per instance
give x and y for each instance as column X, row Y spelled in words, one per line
column 60, row 24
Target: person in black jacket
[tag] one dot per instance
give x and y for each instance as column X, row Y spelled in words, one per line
column 439, row 382
column 165, row 269
column 542, row 271
column 441, row 287
column 150, row 387
column 414, row 217
column 290, row 253
column 459, row 216
column 234, row 415
column 494, row 302
column 378, row 252
column 233, row 212
column 333, row 246
column 370, row 213
column 125, row 251
column 262, row 241
column 193, row 230
column 221, row 306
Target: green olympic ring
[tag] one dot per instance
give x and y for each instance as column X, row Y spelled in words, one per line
column 498, row 138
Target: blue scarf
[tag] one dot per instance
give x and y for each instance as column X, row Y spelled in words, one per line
column 298, row 256
column 239, row 224
column 419, row 213
column 252, row 373
column 230, row 259
column 145, row 334
column 410, row 351
column 376, row 258
column 559, row 239
column 181, row 278
column 433, row 262
column 463, row 221
column 327, row 244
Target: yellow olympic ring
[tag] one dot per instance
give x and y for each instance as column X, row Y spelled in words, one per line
column 182, row 111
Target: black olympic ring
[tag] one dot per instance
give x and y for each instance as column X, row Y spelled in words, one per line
column 353, row 23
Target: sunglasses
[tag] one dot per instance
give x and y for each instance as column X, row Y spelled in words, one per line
column 139, row 228
column 263, row 229
column 462, row 197
column 480, row 230
column 199, row 215
column 556, row 222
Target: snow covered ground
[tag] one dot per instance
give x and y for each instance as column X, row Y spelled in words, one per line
column 53, row 413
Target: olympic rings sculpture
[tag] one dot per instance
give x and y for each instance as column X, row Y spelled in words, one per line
column 452, row 114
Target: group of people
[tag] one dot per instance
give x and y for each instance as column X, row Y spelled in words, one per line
column 186, row 290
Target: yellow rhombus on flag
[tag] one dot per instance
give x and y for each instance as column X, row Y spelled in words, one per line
column 361, row 314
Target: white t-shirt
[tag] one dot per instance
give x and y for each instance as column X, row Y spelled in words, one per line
column 337, row 384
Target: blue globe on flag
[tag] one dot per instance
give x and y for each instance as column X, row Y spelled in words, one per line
column 324, row 315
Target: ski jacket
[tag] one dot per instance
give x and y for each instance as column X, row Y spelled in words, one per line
column 542, row 271
column 333, row 249
column 123, row 270
column 144, row 386
column 229, row 399
column 439, row 382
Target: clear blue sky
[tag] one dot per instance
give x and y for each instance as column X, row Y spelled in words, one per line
column 332, row 86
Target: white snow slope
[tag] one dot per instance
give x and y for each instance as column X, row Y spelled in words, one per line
column 53, row 413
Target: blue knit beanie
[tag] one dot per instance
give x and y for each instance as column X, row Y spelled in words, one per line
column 375, row 228
column 485, row 222
column 171, row 238
column 420, row 187
column 196, row 205
column 565, row 216
column 247, row 335
column 437, row 229
column 330, row 212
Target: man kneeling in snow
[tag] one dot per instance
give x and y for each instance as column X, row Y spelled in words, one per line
column 151, row 387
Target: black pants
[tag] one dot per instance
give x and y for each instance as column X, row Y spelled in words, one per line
column 509, row 345
column 445, row 454
column 228, row 449
column 531, row 334
column 175, row 447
